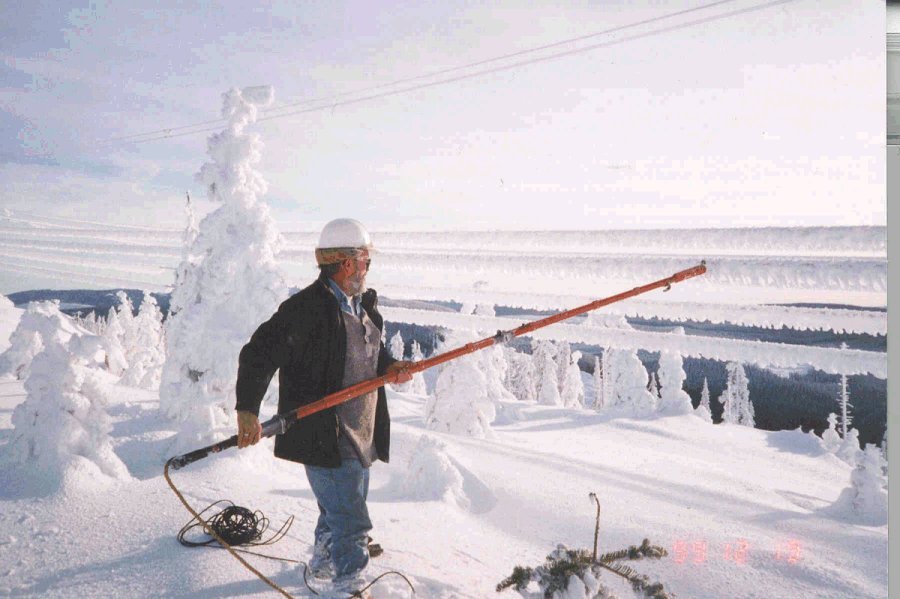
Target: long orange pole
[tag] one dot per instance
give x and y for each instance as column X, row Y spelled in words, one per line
column 280, row 423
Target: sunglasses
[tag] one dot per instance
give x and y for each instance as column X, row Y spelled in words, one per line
column 367, row 262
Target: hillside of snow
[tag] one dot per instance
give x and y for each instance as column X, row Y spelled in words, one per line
column 742, row 512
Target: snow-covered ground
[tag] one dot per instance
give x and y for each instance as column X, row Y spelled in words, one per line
column 743, row 512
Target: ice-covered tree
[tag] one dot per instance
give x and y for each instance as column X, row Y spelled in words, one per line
column 831, row 440
column 521, row 375
column 607, row 367
column 113, row 333
column 672, row 397
column 547, row 373
column 704, row 410
column 396, row 348
column 417, row 384
column 850, row 451
column 548, row 385
column 40, row 324
column 845, row 419
column 629, row 393
column 866, row 499
column 228, row 283
column 572, row 395
column 148, row 354
column 127, row 322
column 563, row 358
column 62, row 429
column 461, row 404
column 653, row 385
column 599, row 400
column 736, row 405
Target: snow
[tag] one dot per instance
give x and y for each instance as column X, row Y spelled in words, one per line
column 456, row 513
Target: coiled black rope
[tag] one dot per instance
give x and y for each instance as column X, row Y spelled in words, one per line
column 235, row 525
column 259, row 526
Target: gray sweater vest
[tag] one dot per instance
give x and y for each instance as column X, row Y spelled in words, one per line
column 357, row 416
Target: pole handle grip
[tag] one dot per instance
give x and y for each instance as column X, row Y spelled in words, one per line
column 181, row 461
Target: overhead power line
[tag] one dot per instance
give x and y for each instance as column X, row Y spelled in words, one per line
column 328, row 100
column 331, row 102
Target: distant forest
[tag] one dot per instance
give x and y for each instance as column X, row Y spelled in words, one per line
column 799, row 399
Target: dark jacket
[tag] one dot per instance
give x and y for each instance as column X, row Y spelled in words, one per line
column 305, row 341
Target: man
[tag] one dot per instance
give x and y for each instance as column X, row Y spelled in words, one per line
column 323, row 339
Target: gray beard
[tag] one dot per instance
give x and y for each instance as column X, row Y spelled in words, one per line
column 356, row 284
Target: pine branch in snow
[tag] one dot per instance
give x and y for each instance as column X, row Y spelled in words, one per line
column 576, row 573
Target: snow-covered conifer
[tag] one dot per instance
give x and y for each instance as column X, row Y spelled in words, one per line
column 563, row 358
column 128, row 324
column 629, row 392
column 417, row 384
column 831, row 440
column 461, row 404
column 704, row 410
column 546, row 372
column 866, row 499
column 572, row 395
column 736, row 405
column 113, row 333
column 849, row 450
column 396, row 348
column 62, row 427
column 607, row 368
column 548, row 386
column 521, row 375
column 673, row 399
column 148, row 354
column 40, row 324
column 599, row 399
column 845, row 419
column 653, row 385
column 228, row 284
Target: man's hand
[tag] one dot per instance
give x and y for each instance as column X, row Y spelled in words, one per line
column 249, row 429
column 400, row 369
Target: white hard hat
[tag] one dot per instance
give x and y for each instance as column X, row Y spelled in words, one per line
column 344, row 233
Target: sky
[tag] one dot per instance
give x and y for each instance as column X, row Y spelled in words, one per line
column 774, row 115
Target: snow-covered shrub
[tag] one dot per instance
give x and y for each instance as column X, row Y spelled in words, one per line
column 599, row 397
column 113, row 333
column 865, row 501
column 62, row 428
column 228, row 284
column 42, row 323
column 520, row 375
column 628, row 384
column 672, row 397
column 417, row 384
column 547, row 373
column 148, row 353
column 704, row 410
column 396, row 349
column 736, row 405
column 430, row 475
column 653, row 386
column 562, row 357
column 461, row 403
column 572, row 395
column 849, row 450
column 831, row 440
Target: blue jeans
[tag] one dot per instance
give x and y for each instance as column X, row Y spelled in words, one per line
column 343, row 515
